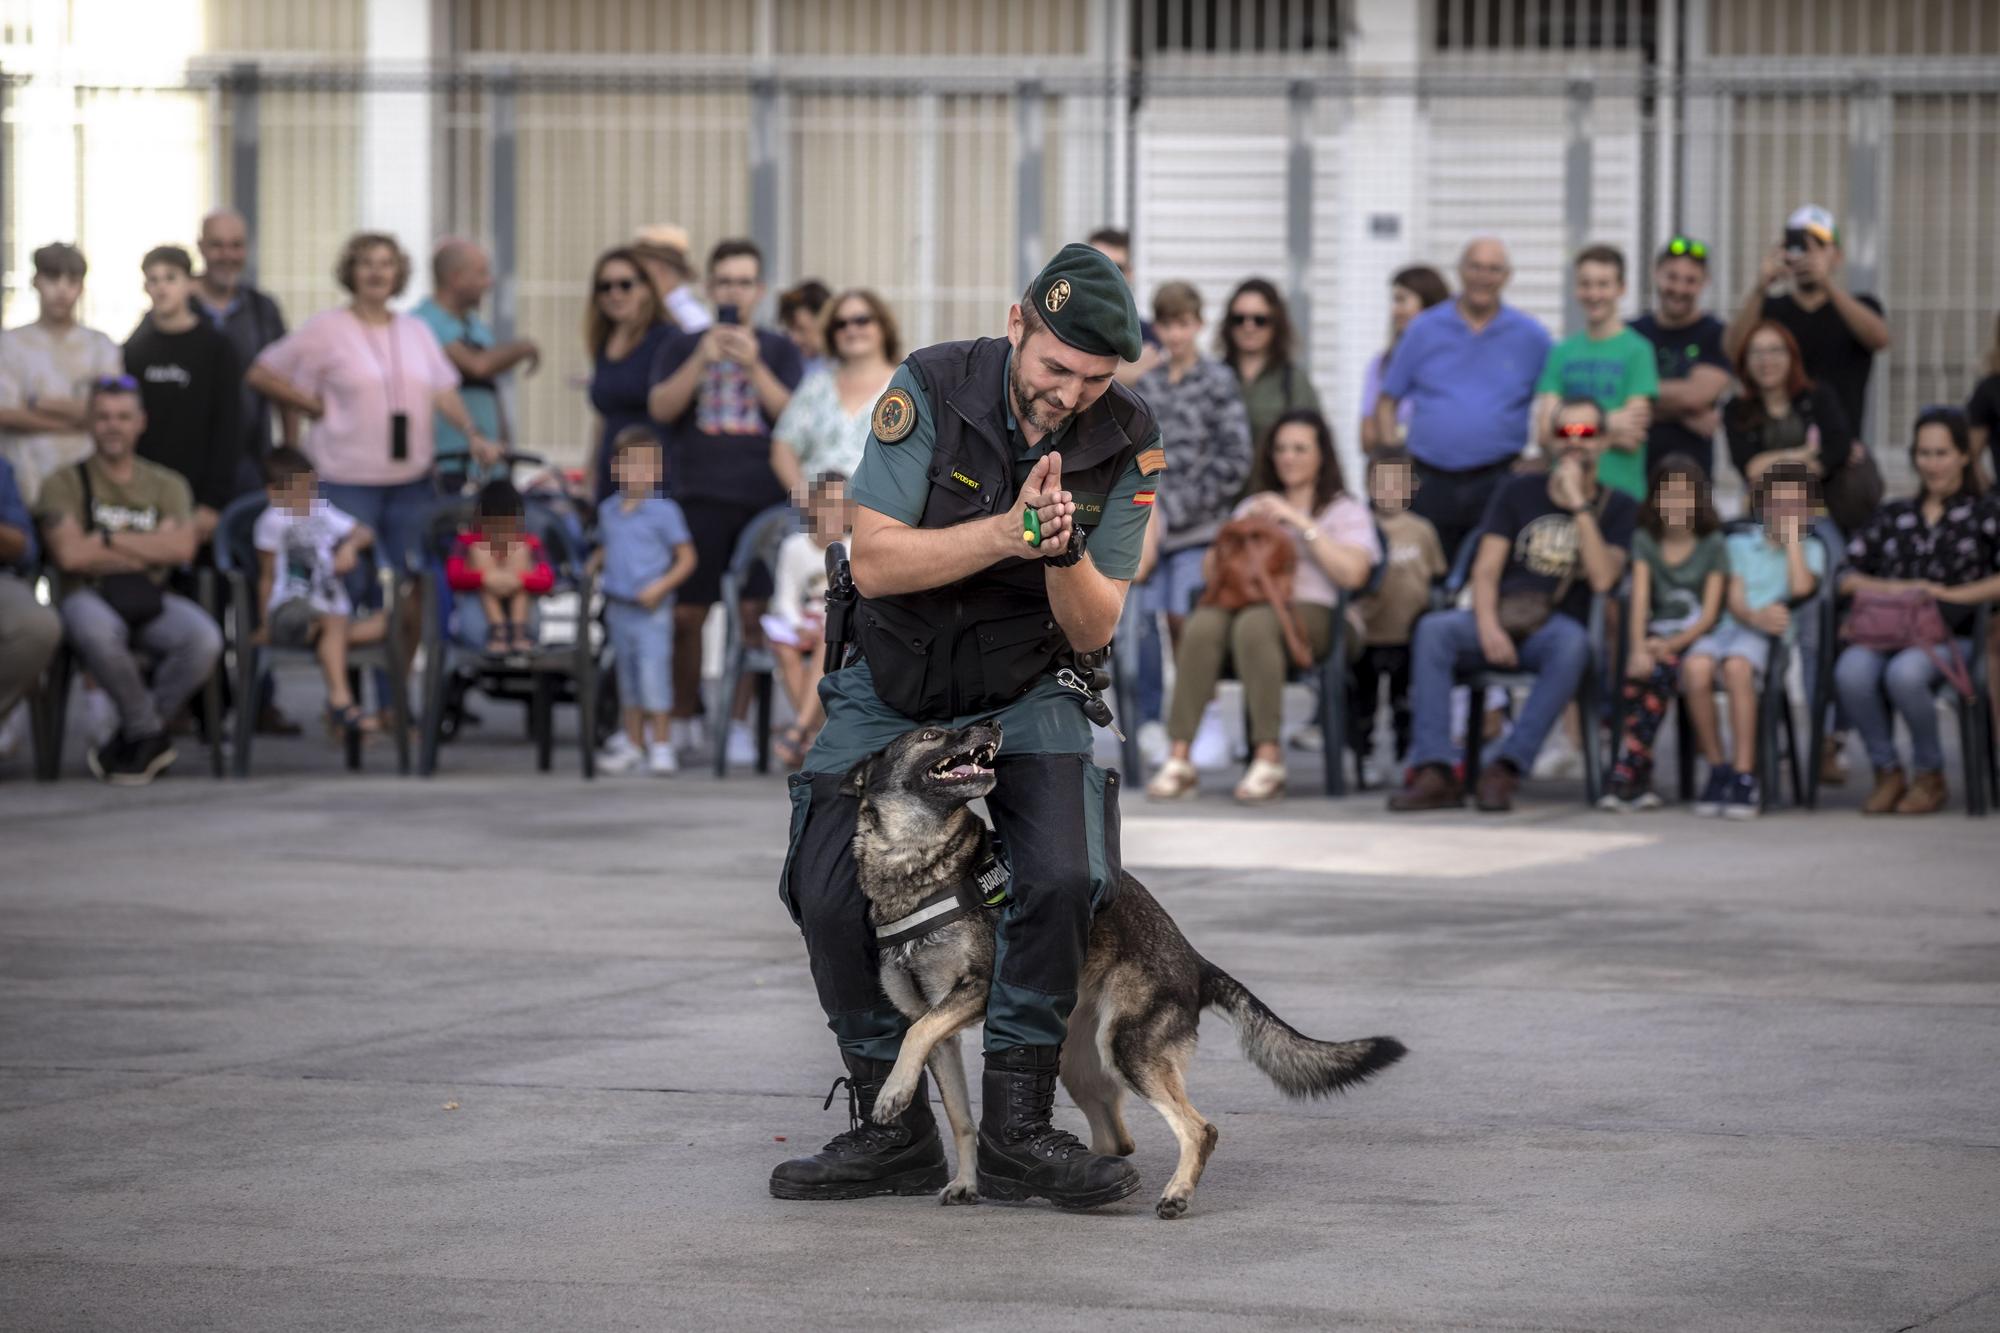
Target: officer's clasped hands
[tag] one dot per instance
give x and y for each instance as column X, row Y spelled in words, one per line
column 1054, row 510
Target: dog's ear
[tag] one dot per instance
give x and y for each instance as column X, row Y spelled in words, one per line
column 855, row 781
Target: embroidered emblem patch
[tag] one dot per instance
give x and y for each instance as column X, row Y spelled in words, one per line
column 1152, row 461
column 1143, row 498
column 895, row 416
column 1057, row 295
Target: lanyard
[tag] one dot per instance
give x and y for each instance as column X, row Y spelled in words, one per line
column 392, row 369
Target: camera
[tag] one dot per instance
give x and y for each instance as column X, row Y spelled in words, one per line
column 1795, row 240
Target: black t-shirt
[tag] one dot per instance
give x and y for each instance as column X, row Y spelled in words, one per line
column 1983, row 408
column 720, row 448
column 190, row 383
column 1542, row 544
column 1679, row 351
column 1833, row 355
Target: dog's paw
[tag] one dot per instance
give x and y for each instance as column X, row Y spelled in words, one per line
column 893, row 1100
column 958, row 1191
column 1172, row 1206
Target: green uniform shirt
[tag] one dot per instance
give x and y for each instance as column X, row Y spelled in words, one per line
column 894, row 481
column 1612, row 371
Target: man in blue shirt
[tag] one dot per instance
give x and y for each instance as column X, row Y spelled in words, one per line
column 461, row 275
column 29, row 631
column 1468, row 368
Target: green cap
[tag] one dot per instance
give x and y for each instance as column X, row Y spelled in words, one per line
column 1085, row 301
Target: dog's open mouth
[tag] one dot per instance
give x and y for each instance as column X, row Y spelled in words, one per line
column 966, row 764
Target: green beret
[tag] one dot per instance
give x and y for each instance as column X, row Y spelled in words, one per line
column 1085, row 301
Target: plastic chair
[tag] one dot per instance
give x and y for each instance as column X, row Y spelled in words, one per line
column 237, row 564
column 756, row 545
column 1975, row 726
column 550, row 675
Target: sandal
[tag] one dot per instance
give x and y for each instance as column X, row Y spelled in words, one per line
column 791, row 746
column 343, row 720
column 1265, row 781
column 499, row 639
column 524, row 642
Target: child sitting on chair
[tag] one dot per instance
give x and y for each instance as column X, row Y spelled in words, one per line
column 796, row 622
column 504, row 564
column 305, row 549
column 1389, row 614
column 1769, row 569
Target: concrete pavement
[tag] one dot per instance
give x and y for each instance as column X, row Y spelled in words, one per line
column 1665, row 1073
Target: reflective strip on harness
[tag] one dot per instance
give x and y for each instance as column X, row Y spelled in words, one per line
column 936, row 911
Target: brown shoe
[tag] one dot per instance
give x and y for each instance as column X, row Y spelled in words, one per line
column 1889, row 788
column 1431, row 787
column 1497, row 781
column 1832, row 762
column 1926, row 795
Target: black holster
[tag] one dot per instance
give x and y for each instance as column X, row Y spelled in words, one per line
column 840, row 600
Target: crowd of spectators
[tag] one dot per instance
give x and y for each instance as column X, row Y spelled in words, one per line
column 1513, row 480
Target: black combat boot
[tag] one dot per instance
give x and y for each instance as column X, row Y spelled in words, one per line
column 906, row 1157
column 1022, row 1155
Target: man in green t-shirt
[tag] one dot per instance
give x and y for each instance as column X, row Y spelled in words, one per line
column 115, row 527
column 1609, row 364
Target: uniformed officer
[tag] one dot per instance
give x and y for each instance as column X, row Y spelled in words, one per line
column 960, row 620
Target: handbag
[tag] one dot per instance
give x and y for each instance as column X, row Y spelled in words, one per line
column 135, row 597
column 1889, row 622
column 1255, row 562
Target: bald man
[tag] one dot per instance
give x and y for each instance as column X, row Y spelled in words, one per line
column 1468, row 368
column 251, row 321
column 461, row 276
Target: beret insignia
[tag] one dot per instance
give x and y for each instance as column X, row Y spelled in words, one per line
column 1057, row 296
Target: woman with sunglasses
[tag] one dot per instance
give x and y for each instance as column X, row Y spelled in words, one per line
column 1945, row 540
column 825, row 426
column 1258, row 343
column 1411, row 292
column 624, row 328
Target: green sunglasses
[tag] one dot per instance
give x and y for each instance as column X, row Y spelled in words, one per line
column 1681, row 247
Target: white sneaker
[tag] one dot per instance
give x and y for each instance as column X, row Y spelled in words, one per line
column 741, row 751
column 1371, row 772
column 661, row 761
column 619, row 755
column 1211, row 740
column 688, row 736
column 1153, row 743
column 1308, row 739
column 1558, row 759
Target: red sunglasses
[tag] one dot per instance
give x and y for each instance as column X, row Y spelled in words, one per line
column 1578, row 430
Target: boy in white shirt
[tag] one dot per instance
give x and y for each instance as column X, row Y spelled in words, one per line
column 305, row 549
column 796, row 621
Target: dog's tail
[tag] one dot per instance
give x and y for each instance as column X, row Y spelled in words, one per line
column 1300, row 1066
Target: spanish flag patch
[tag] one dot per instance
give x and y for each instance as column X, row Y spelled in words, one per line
column 1143, row 498
column 1152, row 461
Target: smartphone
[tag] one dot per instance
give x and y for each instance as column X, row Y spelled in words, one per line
column 399, row 436
column 1795, row 240
column 729, row 314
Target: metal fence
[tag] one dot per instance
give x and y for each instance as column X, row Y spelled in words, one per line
column 942, row 190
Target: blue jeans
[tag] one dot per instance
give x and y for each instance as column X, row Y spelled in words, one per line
column 1558, row 653
column 396, row 515
column 642, row 644
column 1171, row 589
column 1862, row 676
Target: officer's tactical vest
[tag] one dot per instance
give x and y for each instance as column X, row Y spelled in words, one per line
column 979, row 643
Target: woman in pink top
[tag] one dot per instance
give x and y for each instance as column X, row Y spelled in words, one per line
column 369, row 379
column 1297, row 485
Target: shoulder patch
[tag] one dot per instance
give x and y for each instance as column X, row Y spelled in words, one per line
column 1152, row 461
column 895, row 416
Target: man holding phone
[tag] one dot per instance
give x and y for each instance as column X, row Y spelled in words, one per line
column 719, row 392
column 1838, row 332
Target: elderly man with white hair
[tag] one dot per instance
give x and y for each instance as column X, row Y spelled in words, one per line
column 1468, row 368
column 251, row 320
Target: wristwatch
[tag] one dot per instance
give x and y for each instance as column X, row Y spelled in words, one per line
column 1073, row 552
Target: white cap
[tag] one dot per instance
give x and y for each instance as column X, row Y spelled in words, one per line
column 1813, row 219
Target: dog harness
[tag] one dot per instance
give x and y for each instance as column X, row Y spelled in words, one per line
column 986, row 890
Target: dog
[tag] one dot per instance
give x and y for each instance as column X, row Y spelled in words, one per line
column 1142, row 990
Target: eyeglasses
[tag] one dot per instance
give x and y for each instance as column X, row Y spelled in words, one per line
column 616, row 285
column 1577, row 430
column 851, row 322
column 1237, row 321
column 1684, row 248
